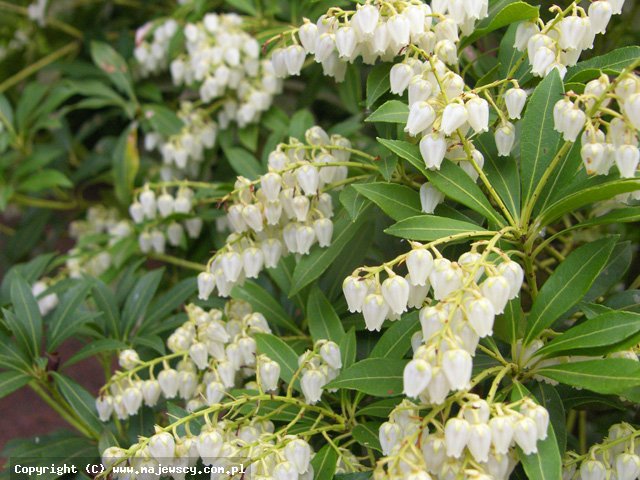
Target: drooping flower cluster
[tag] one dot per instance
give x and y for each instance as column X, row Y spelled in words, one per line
column 478, row 443
column 604, row 143
column 379, row 30
column 183, row 153
column 223, row 62
column 618, row 456
column 470, row 293
column 164, row 217
column 215, row 350
column 318, row 367
column 90, row 255
column 152, row 46
column 559, row 43
column 289, row 213
column 223, row 444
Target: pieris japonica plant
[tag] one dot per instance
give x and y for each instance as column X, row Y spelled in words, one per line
column 378, row 240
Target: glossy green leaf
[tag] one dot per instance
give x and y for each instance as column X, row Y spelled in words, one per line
column 397, row 201
column 80, row 400
column 567, row 285
column 65, row 321
column 602, row 334
column 366, row 434
column 126, row 163
column 379, row 409
column 539, row 141
column 432, row 227
column 106, row 302
column 27, row 322
column 348, row 348
column 396, row 340
column 501, row 13
column 112, row 63
column 43, row 180
column 163, row 120
column 378, row 82
column 12, row 381
column 263, row 302
column 278, row 351
column 353, row 202
column 324, row 323
column 393, row 111
column 350, row 89
column 139, row 299
column 170, row 300
column 381, row 377
column 324, row 463
column 587, row 196
column 605, row 375
column 610, row 63
column 96, row 347
column 243, row 163
column 513, row 63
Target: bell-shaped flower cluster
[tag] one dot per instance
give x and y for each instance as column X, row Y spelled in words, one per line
column 152, row 46
column 183, row 153
column 288, row 213
column 479, row 442
column 215, row 352
column 164, row 217
column 559, row 43
column 91, row 253
column 223, row 63
column 604, row 144
column 379, row 30
column 318, row 367
column 469, row 292
column 223, row 445
column 617, row 456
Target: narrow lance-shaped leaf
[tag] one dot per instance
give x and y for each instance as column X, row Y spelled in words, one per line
column 324, row 323
column 568, row 284
column 432, row 227
column 604, row 375
column 27, row 322
column 381, row 377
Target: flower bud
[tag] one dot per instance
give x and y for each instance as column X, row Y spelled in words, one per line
column 592, row 470
column 399, row 77
column 271, row 184
column 132, row 400
column 298, row 452
column 453, row 117
column 104, row 406
column 497, row 290
column 478, row 112
column 168, row 380
column 137, row 212
column 456, row 365
column 128, row 359
column 308, row 34
column 627, row 466
column 311, row 383
column 209, row 446
column 481, row 314
column 515, row 99
column 433, row 148
column 199, row 355
column 526, row 435
column 308, row 179
column 524, row 32
column 330, row 353
column 374, row 310
column 395, row 291
column 162, row 447
column 505, row 137
column 214, row 392
column 269, row 372
column 421, row 117
column 231, row 263
column 627, row 158
column 514, row 274
column 501, row 434
column 417, row 375
column 445, row 278
column 151, row 392
column 165, row 205
column 479, row 441
column 148, row 202
column 456, row 436
column 206, row 284
column 420, row 264
column 285, row 471
column 389, row 435
column 365, row 20
column 430, row 197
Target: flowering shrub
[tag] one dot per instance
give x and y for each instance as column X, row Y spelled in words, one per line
column 383, row 239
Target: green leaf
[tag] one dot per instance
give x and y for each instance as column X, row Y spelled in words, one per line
column 502, row 173
column 112, row 63
column 378, row 82
column 243, row 163
column 324, row 463
column 619, row 215
column 567, row 285
column 106, row 302
column 313, row 265
column 547, row 463
column 353, row 202
column 509, row 326
column 366, row 434
column 12, row 357
column 126, row 163
column 501, row 14
column 12, row 381
column 587, row 196
column 95, row 347
column 350, row 90
column 301, row 121
column 393, row 111
column 348, row 347
column 278, row 351
column 605, row 375
column 599, row 335
column 163, row 120
column 432, row 227
column 80, row 400
column 27, row 322
column 510, row 58
column 244, row 6
column 396, row 341
column 324, row 322
column 163, row 306
column 450, row 179
column 43, row 180
column 248, row 137
column 263, row 302
column 379, row 409
column 539, row 141
column 138, row 300
column 397, row 201
column 381, row 377
column 610, row 63
column 549, row 398
column 65, row 321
